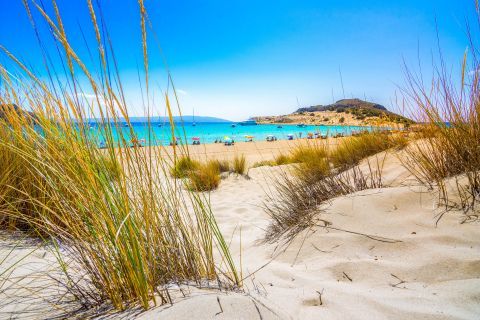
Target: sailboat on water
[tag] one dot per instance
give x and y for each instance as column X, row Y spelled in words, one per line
column 193, row 122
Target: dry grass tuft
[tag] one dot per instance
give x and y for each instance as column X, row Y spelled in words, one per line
column 239, row 165
column 205, row 178
column 183, row 167
column 282, row 159
column 223, row 166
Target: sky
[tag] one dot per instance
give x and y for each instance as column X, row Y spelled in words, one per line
column 237, row 59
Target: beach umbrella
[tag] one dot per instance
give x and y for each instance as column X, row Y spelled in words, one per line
column 196, row 139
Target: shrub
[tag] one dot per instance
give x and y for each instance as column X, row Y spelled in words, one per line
column 239, row 164
column 183, row 166
column 204, row 178
column 282, row 159
column 341, row 120
column 223, row 166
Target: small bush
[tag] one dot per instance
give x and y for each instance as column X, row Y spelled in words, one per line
column 240, row 164
column 342, row 120
column 282, row 159
column 205, row 178
column 222, row 165
column 183, row 166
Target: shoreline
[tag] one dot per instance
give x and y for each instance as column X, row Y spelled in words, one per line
column 255, row 151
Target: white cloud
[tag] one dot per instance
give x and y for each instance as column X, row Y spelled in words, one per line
column 91, row 97
column 182, row 92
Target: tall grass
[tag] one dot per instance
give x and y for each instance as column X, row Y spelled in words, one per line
column 183, row 166
column 239, row 165
column 206, row 177
column 353, row 149
column 448, row 154
column 111, row 212
column 320, row 173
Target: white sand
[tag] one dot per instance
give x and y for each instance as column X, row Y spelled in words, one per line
column 428, row 272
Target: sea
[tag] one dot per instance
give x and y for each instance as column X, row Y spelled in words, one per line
column 205, row 132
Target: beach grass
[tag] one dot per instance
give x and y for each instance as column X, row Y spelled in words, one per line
column 447, row 155
column 317, row 176
column 205, row 177
column 353, row 149
column 223, row 165
column 239, row 165
column 183, row 166
column 121, row 231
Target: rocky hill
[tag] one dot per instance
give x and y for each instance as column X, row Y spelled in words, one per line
column 346, row 111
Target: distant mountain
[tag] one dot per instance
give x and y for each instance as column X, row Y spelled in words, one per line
column 345, row 112
column 344, row 104
column 185, row 118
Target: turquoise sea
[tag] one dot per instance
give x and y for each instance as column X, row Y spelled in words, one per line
column 161, row 134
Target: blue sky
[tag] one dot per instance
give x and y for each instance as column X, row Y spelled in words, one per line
column 235, row 59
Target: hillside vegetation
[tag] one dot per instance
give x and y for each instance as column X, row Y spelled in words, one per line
column 346, row 111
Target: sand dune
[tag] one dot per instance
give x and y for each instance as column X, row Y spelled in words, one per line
column 383, row 257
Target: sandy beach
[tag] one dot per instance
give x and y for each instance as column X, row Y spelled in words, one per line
column 383, row 256
column 254, row 151
column 346, row 183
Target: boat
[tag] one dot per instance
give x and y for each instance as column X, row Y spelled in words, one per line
column 249, row 122
column 193, row 122
column 233, row 125
column 279, row 127
column 301, row 125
